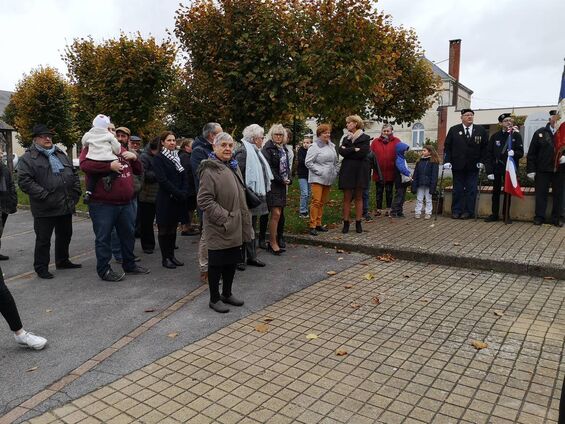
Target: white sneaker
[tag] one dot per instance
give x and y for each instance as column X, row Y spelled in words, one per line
column 30, row 340
column 427, row 216
column 417, row 216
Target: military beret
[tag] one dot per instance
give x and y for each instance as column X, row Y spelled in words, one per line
column 503, row 116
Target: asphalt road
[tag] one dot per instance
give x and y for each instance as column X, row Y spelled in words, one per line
column 81, row 315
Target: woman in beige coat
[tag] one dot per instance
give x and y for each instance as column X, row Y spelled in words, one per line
column 227, row 221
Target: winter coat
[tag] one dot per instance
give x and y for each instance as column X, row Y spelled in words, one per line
column 321, row 161
column 185, row 162
column 277, row 196
column 49, row 194
column 138, row 179
column 8, row 194
column 227, row 221
column 385, row 153
column 173, row 191
column 150, row 187
column 122, row 191
column 497, row 152
column 301, row 170
column 355, row 167
column 541, row 154
column 240, row 155
column 201, row 149
column 425, row 175
column 400, row 162
column 463, row 154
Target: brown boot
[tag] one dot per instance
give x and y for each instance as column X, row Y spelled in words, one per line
column 204, row 277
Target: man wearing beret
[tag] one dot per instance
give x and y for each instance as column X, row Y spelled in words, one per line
column 546, row 171
column 47, row 175
column 498, row 150
column 464, row 152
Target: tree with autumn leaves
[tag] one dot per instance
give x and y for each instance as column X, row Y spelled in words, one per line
column 271, row 60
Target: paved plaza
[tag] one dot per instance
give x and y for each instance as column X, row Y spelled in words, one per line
column 326, row 335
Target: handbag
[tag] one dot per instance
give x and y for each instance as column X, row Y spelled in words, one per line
column 251, row 198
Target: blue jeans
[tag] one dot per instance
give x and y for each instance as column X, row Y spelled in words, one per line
column 105, row 217
column 464, row 192
column 116, row 245
column 304, row 194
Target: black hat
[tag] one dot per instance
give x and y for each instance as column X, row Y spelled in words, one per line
column 503, row 116
column 464, row 111
column 552, row 112
column 41, row 129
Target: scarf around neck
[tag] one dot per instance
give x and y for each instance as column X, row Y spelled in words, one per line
column 258, row 173
column 232, row 163
column 56, row 165
column 354, row 136
column 173, row 156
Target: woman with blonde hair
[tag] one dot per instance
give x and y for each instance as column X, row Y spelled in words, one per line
column 355, row 168
column 277, row 157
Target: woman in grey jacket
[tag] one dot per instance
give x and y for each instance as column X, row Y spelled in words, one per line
column 321, row 161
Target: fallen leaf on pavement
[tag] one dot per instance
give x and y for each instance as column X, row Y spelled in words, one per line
column 268, row 319
column 406, row 276
column 331, row 273
column 369, row 276
column 479, row 345
column 348, row 286
column 311, row 336
column 549, row 278
column 355, row 305
column 48, row 310
column 341, row 352
column 32, row 369
column 339, row 251
column 457, row 244
column 172, row 335
column 498, row 313
column 363, row 264
column 376, row 300
column 426, row 300
column 149, row 310
column 340, row 259
column 387, row 257
column 262, row 328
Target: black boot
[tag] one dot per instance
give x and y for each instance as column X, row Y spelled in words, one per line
column 345, row 228
column 358, row 227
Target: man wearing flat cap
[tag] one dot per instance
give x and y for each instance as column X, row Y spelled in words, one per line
column 464, row 153
column 547, row 172
column 47, row 175
column 503, row 143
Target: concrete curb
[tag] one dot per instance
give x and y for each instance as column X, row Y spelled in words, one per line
column 443, row 258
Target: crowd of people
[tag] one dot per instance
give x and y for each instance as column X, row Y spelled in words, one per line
column 239, row 191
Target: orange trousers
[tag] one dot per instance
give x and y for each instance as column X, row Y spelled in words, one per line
column 320, row 195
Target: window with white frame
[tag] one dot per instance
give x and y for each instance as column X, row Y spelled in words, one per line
column 418, row 135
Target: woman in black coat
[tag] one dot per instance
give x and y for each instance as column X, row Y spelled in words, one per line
column 355, row 169
column 190, row 205
column 172, row 194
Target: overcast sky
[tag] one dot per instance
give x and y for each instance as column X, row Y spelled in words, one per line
column 512, row 52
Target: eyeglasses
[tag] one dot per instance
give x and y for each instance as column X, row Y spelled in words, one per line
column 278, row 134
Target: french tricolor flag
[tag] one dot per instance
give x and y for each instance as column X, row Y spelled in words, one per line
column 511, row 184
column 559, row 137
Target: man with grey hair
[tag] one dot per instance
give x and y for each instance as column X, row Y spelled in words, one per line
column 201, row 149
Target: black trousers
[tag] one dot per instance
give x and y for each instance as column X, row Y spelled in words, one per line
column 146, row 213
column 497, row 186
column 385, row 188
column 226, row 272
column 542, row 183
column 8, row 307
column 263, row 223
column 167, row 240
column 63, row 226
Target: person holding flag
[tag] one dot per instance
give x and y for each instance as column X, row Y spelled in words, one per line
column 503, row 145
column 546, row 166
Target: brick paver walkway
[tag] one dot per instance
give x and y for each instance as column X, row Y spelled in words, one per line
column 405, row 331
column 520, row 247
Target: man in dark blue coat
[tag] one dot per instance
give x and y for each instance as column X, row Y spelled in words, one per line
column 201, row 149
column 465, row 148
column 498, row 150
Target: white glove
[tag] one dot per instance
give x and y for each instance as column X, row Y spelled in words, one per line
column 480, row 165
column 447, row 165
column 562, row 160
column 532, row 176
column 490, row 177
column 511, row 153
column 515, row 129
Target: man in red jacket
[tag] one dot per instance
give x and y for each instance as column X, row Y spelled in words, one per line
column 384, row 149
column 114, row 208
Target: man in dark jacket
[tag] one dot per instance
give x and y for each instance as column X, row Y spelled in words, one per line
column 543, row 168
column 8, row 197
column 498, row 150
column 147, row 197
column 47, row 175
column 465, row 149
column 201, row 149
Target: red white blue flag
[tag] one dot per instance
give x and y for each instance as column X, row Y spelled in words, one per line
column 559, row 138
column 511, row 184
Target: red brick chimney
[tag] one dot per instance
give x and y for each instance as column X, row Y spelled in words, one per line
column 454, row 63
